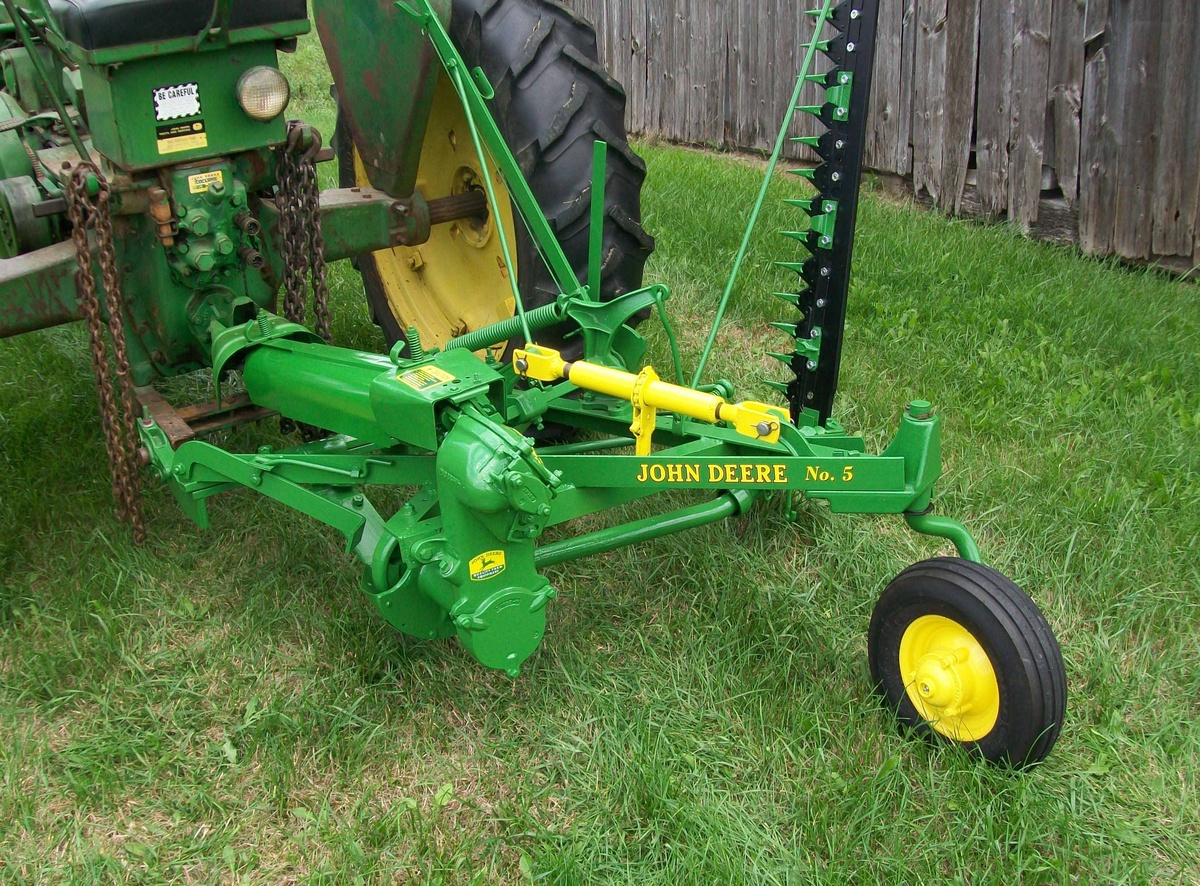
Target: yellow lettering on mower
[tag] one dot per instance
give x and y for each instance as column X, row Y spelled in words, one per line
column 736, row 474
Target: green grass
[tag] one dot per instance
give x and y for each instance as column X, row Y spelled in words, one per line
column 222, row 706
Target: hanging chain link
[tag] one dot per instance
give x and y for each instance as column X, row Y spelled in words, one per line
column 300, row 228
column 118, row 406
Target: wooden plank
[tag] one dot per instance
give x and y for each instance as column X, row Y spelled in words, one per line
column 208, row 422
column 1176, row 188
column 1095, row 20
column 708, row 62
column 1031, row 66
column 883, row 122
column 944, row 98
column 1066, row 92
column 668, row 93
column 1194, row 98
column 751, row 71
column 611, row 38
column 929, row 98
column 708, row 67
column 742, row 86
column 993, row 115
column 648, row 32
column 171, row 422
column 908, row 43
column 656, row 68
column 1135, row 31
column 1098, row 159
column 633, row 15
column 962, row 47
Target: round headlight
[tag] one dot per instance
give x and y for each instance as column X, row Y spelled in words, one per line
column 263, row 93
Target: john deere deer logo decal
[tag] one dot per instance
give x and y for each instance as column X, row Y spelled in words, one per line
column 487, row 565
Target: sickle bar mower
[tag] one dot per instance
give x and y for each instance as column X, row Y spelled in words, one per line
column 150, row 186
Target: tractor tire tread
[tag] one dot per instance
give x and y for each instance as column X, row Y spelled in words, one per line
column 553, row 100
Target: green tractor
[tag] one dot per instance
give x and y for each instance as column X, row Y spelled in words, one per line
column 151, row 185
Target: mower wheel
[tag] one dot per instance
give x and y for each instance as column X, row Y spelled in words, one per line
column 963, row 655
column 553, row 101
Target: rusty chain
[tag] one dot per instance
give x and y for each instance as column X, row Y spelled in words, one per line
column 118, row 406
column 300, row 228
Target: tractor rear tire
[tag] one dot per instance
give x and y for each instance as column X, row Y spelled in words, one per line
column 553, row 101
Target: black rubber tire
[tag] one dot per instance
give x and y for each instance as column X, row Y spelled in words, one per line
column 553, row 100
column 1012, row 631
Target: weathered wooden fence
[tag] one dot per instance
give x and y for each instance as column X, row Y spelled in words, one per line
column 1079, row 119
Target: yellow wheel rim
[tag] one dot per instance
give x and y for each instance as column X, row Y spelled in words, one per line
column 457, row 281
column 949, row 678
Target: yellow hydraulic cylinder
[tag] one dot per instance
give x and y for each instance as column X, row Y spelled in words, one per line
column 648, row 394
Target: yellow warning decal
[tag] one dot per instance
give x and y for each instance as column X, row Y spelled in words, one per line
column 202, row 181
column 425, row 378
column 487, row 565
column 176, row 137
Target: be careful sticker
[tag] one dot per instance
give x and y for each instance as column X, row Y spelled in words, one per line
column 487, row 565
column 176, row 102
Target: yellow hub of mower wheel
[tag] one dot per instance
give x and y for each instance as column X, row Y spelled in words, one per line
column 949, row 678
column 457, row 281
